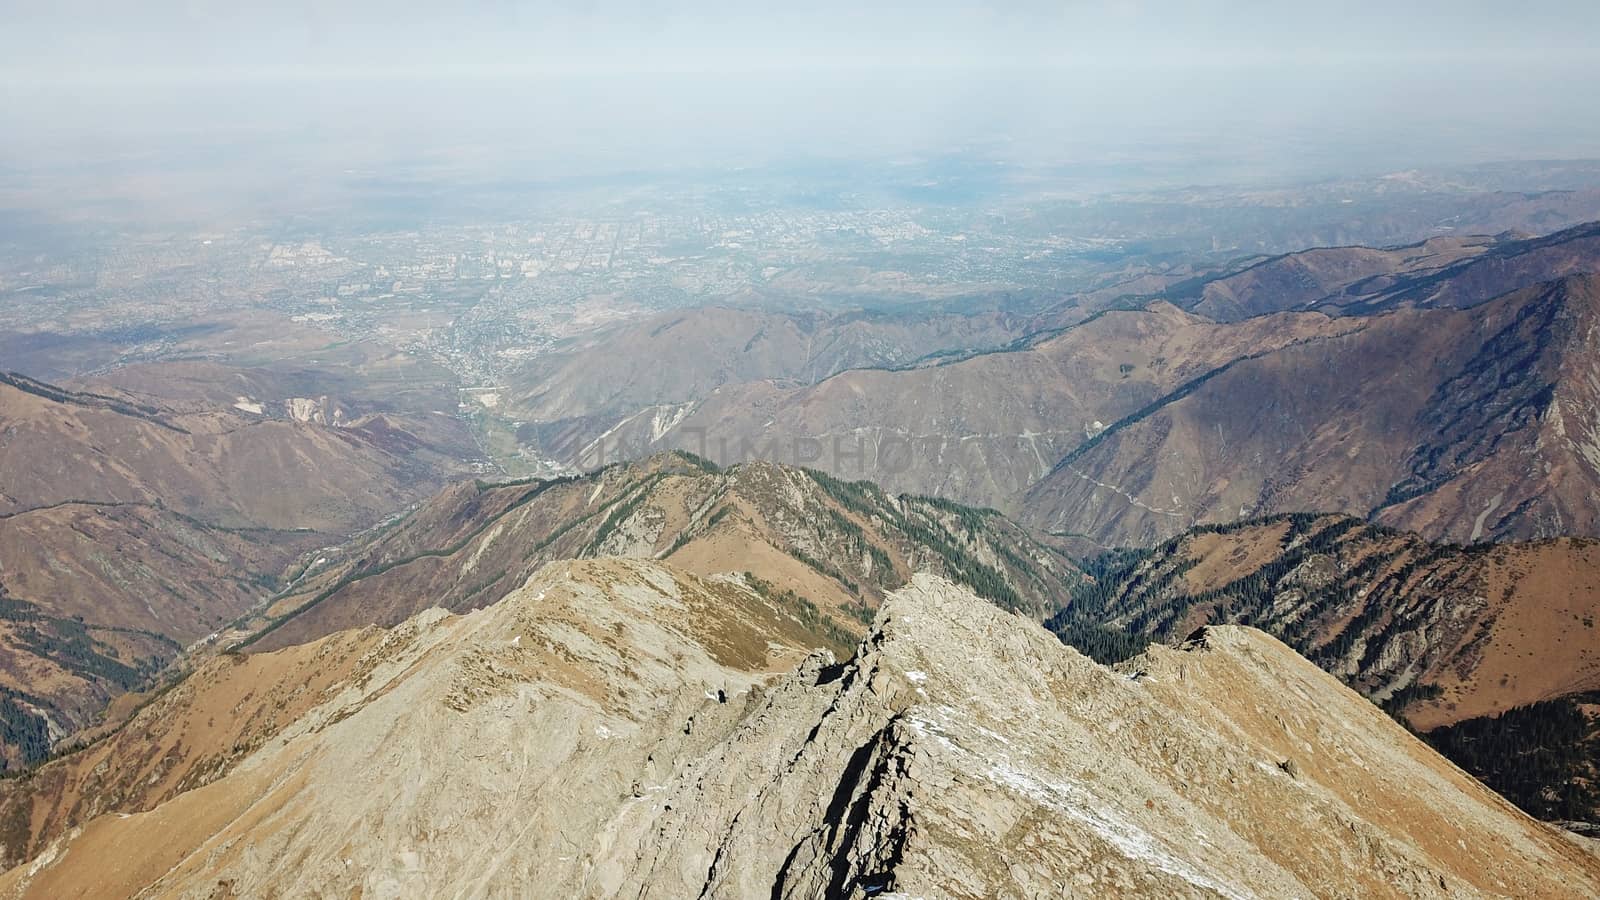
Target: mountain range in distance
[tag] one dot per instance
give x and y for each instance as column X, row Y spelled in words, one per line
column 131, row 528
column 1133, row 425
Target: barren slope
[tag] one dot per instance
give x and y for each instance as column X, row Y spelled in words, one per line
column 227, row 466
column 684, row 355
column 1325, row 278
column 1440, row 272
column 615, row 728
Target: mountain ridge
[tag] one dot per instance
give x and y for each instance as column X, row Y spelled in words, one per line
column 691, row 765
column 131, row 528
column 840, row 545
column 1446, row 271
column 1289, row 431
column 1450, row 639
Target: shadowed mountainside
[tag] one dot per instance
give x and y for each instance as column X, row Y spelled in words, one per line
column 798, row 533
column 1460, row 424
column 1440, row 272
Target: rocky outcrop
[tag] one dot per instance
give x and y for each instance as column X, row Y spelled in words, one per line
column 618, row 728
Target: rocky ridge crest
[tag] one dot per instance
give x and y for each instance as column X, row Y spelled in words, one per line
column 618, row 727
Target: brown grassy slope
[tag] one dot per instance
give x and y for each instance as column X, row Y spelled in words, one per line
column 181, row 739
column 1442, row 632
column 129, row 527
column 1448, row 637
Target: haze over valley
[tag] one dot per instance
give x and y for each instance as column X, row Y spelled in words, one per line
column 907, row 451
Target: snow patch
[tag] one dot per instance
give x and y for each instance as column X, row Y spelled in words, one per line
column 1071, row 799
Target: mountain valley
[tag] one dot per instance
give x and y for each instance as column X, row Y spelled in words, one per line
column 131, row 528
column 410, row 514
column 1132, row 425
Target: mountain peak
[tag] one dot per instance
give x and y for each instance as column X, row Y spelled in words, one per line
column 614, row 727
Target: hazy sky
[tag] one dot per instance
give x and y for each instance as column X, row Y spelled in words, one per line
column 117, row 40
column 626, row 83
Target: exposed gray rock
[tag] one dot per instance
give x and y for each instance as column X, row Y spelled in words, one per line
column 570, row 742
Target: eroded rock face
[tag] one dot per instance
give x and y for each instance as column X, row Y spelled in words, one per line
column 615, row 728
column 964, row 753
